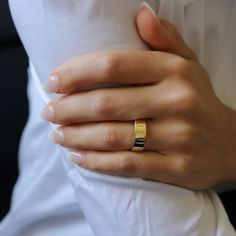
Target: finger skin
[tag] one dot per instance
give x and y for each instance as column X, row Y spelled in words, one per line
column 120, row 67
column 125, row 67
column 102, row 105
column 106, row 136
column 172, row 96
column 172, row 168
column 162, row 35
column 204, row 158
column 120, row 136
column 149, row 165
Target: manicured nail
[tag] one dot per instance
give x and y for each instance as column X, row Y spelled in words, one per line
column 57, row 136
column 52, row 84
column 48, row 114
column 149, row 8
column 77, row 158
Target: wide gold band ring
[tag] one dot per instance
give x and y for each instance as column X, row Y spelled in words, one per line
column 140, row 135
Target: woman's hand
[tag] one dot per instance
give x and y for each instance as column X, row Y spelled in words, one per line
column 190, row 133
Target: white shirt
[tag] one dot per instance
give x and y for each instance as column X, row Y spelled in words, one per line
column 54, row 196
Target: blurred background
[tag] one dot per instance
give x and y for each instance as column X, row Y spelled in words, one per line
column 14, row 111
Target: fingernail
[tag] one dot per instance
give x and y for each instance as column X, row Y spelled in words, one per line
column 77, row 158
column 48, row 114
column 57, row 136
column 149, row 8
column 52, row 84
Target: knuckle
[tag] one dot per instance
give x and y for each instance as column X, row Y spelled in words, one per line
column 142, row 168
column 184, row 166
column 188, row 101
column 102, row 104
column 183, row 99
column 187, row 134
column 186, row 137
column 180, row 67
column 109, row 64
column 95, row 165
column 110, row 137
column 126, row 165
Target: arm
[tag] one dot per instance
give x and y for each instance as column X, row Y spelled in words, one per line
column 116, row 205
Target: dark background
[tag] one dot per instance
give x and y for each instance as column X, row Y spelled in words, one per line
column 14, row 111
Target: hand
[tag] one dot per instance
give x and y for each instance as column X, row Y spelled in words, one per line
column 190, row 133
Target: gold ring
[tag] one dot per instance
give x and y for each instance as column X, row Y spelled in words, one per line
column 140, row 135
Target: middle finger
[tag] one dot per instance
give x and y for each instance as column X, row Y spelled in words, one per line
column 121, row 104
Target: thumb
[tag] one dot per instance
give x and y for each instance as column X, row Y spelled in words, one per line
column 161, row 35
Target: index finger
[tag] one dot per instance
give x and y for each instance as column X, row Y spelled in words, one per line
column 121, row 67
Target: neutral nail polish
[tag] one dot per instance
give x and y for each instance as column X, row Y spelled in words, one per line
column 149, row 8
column 52, row 84
column 48, row 114
column 77, row 158
column 57, row 136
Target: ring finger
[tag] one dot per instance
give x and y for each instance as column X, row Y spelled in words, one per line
column 115, row 136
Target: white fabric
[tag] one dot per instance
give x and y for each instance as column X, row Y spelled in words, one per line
column 54, row 197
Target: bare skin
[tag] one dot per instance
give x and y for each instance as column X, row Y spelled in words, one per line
column 190, row 133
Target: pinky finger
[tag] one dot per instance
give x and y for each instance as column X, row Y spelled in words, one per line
column 147, row 165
